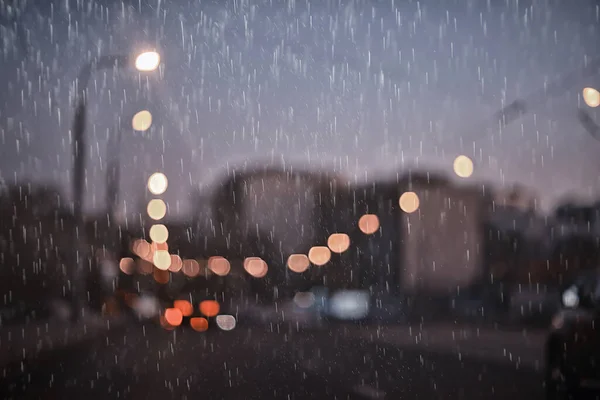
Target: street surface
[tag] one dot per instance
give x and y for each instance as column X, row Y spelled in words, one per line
column 273, row 362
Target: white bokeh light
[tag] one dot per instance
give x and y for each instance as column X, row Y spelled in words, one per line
column 157, row 183
column 147, row 61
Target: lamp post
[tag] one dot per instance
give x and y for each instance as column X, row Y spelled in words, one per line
column 144, row 62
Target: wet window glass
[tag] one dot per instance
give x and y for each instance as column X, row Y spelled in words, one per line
column 299, row 199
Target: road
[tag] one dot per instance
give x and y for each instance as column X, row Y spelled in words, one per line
column 147, row 362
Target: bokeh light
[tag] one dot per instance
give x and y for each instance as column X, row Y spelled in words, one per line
column 591, row 97
column 256, row 267
column 165, row 324
column 219, row 265
column 141, row 121
column 368, row 224
column 409, row 202
column 173, row 316
column 199, row 324
column 463, row 166
column 162, row 259
column 147, row 61
column 158, row 183
column 338, row 242
column 159, row 246
column 304, row 299
column 191, row 268
column 157, row 209
column 319, row 255
column 226, row 322
column 161, row 276
column 184, row 306
column 298, row 263
column 127, row 265
column 176, row 263
column 159, row 233
column 141, row 248
column 209, row 308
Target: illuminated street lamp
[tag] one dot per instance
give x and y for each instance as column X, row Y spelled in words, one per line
column 144, row 62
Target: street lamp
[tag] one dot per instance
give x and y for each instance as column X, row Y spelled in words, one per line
column 144, row 62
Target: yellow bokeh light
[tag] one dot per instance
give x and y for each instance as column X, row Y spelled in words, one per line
column 147, row 61
column 157, row 183
column 591, row 97
column 319, row 255
column 298, row 263
column 368, row 224
column 463, row 166
column 157, row 209
column 159, row 233
column 338, row 242
column 409, row 202
column 141, row 121
column 161, row 259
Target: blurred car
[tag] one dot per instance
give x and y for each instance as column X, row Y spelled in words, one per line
column 573, row 346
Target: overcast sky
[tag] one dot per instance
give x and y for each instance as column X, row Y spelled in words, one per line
column 360, row 87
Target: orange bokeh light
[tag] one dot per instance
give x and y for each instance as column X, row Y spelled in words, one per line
column 199, row 324
column 298, row 263
column 338, row 242
column 165, row 324
column 161, row 276
column 210, row 308
column 184, row 306
column 127, row 265
column 319, row 255
column 173, row 316
column 368, row 224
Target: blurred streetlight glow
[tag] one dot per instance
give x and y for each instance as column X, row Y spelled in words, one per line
column 591, row 97
column 409, row 202
column 157, row 209
column 298, row 263
column 219, row 265
column 159, row 233
column 463, row 166
column 162, row 259
column 256, row 267
column 338, row 242
column 141, row 121
column 147, row 61
column 368, row 224
column 157, row 183
column 319, row 255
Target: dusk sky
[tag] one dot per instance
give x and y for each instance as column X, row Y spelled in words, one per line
column 358, row 87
